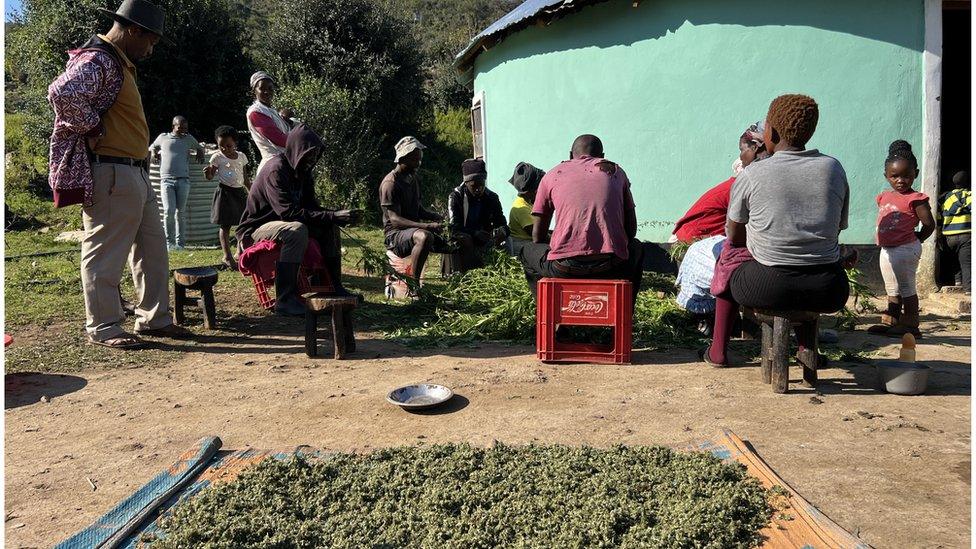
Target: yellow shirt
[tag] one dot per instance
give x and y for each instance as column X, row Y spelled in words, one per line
column 126, row 131
column 519, row 217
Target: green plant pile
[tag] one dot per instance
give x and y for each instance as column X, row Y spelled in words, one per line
column 494, row 303
column 461, row 496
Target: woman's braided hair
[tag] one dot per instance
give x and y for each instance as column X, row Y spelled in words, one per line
column 901, row 150
column 794, row 117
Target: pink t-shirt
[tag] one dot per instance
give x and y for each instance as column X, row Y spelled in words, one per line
column 589, row 197
column 896, row 217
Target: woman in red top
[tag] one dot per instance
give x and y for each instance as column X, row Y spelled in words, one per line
column 900, row 210
column 707, row 216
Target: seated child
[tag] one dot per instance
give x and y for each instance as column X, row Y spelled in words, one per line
column 900, row 210
column 526, row 182
column 227, row 165
column 955, row 227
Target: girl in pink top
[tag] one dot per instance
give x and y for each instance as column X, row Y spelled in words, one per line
column 900, row 210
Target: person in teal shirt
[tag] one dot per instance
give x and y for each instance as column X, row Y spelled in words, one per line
column 172, row 151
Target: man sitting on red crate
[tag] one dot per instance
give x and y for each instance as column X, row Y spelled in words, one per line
column 281, row 206
column 596, row 222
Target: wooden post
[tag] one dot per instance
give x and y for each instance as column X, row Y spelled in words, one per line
column 809, row 355
column 350, row 331
column 311, row 332
column 338, row 332
column 179, row 301
column 209, row 308
column 767, row 349
column 780, row 353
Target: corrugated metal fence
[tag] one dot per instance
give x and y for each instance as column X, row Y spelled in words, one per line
column 202, row 232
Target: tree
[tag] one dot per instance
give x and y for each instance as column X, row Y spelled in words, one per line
column 352, row 71
column 203, row 75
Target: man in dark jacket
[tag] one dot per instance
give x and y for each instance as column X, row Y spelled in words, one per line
column 476, row 219
column 281, row 206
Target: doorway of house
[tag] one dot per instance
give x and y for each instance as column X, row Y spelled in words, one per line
column 956, row 136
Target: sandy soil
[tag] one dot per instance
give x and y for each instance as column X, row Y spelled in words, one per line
column 894, row 469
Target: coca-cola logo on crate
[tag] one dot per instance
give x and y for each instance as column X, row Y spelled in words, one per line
column 585, row 304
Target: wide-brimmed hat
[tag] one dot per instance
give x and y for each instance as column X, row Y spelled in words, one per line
column 140, row 13
column 526, row 178
column 406, row 146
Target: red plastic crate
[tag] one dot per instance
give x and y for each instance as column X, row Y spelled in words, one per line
column 584, row 302
column 262, row 286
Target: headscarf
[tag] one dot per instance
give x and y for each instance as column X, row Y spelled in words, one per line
column 259, row 76
column 754, row 136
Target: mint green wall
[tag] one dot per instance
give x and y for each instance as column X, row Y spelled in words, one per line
column 670, row 85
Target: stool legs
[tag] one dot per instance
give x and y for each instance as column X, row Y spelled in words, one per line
column 350, row 332
column 209, row 309
column 780, row 351
column 338, row 332
column 311, row 333
column 179, row 301
column 807, row 335
column 767, row 347
column 343, row 337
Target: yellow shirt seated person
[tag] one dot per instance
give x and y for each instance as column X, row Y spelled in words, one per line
column 526, row 181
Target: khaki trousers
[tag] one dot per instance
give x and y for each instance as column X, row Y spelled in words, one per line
column 292, row 235
column 123, row 222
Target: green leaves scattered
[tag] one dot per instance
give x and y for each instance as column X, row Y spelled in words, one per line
column 461, row 496
column 494, row 303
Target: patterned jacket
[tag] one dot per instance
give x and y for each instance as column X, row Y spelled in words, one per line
column 80, row 96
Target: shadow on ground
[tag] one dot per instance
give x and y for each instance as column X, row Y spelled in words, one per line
column 25, row 388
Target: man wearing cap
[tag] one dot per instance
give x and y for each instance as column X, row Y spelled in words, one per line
column 269, row 131
column 476, row 220
column 410, row 230
column 99, row 159
column 526, row 181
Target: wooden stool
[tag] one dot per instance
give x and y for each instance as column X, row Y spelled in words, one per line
column 341, row 307
column 195, row 278
column 776, row 346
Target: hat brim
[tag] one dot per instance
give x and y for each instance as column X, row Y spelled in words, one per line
column 123, row 19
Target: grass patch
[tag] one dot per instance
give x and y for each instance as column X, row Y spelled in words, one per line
column 460, row 496
column 66, row 350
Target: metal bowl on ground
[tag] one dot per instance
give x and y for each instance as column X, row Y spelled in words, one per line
column 902, row 378
column 419, row 396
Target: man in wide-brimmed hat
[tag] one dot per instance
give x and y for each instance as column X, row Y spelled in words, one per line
column 410, row 229
column 99, row 160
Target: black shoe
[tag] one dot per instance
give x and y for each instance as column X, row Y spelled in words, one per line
column 287, row 302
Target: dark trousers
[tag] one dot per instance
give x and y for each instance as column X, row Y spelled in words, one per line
column 818, row 288
column 959, row 246
column 535, row 260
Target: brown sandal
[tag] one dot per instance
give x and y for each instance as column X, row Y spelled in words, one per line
column 122, row 342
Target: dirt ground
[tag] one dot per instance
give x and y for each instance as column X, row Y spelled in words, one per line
column 895, row 470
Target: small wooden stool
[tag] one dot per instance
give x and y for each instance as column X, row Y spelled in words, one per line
column 341, row 308
column 195, row 278
column 776, row 346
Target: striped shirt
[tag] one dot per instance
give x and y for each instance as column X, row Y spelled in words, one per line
column 956, row 210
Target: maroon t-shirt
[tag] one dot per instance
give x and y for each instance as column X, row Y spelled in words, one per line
column 589, row 197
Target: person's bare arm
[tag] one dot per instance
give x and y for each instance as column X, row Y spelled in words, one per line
column 736, row 233
column 630, row 222
column 400, row 222
column 924, row 213
column 540, row 228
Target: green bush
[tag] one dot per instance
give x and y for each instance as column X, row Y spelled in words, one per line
column 353, row 72
column 448, row 138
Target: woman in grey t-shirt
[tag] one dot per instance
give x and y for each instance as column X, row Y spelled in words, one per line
column 788, row 211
